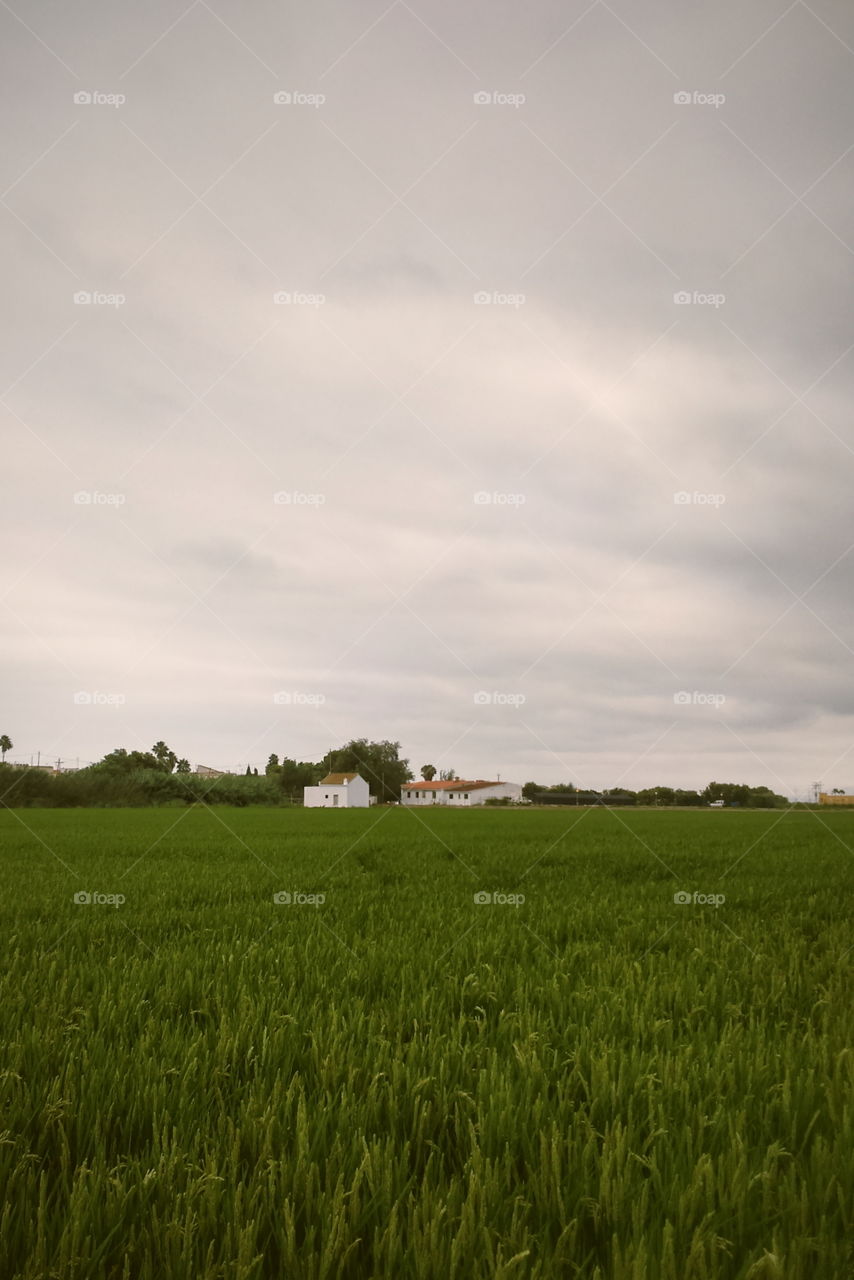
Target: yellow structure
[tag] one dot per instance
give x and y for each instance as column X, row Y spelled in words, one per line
column 824, row 798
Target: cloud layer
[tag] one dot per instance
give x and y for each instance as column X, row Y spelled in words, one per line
column 489, row 391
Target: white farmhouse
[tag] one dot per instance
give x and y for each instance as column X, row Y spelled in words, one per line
column 338, row 791
column 458, row 794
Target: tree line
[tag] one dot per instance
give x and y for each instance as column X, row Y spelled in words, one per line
column 160, row 776
column 730, row 793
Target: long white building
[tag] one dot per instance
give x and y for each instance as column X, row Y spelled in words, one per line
column 459, row 793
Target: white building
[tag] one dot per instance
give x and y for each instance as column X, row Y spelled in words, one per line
column 458, row 794
column 338, row 791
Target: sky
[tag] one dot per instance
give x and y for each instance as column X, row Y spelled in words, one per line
column 475, row 377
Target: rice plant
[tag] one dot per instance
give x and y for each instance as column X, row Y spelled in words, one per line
column 277, row 1043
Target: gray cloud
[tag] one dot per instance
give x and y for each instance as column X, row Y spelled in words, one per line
column 380, row 397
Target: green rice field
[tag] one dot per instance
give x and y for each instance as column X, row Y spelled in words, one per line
column 381, row 1074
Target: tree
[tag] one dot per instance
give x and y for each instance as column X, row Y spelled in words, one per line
column 379, row 763
column 619, row 795
column 531, row 790
column 657, row 796
column 729, row 792
column 837, row 791
column 121, row 761
column 6, row 744
column 165, row 758
column 448, row 775
column 273, row 767
column 294, row 775
column 428, row 772
column 183, row 766
column 248, row 773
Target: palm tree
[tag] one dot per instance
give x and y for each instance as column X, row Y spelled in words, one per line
column 164, row 757
column 6, row 744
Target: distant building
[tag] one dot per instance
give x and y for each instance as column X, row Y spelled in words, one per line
column 825, row 798
column 338, row 791
column 204, row 771
column 459, row 793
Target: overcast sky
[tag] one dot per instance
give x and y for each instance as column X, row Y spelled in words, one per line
column 287, row 478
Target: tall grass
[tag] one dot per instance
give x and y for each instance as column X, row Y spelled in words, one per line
column 400, row 1082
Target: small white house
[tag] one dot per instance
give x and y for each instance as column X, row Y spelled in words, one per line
column 338, row 791
column 458, row 794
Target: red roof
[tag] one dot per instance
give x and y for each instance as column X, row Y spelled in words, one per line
column 456, row 785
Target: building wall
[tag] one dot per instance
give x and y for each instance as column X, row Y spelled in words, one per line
column 512, row 790
column 322, row 797
column 358, row 794
column 423, row 798
column 457, row 799
column 824, row 798
column 355, row 795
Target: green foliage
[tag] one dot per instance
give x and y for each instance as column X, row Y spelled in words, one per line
column 121, row 782
column 735, row 794
column 598, row 1083
column 739, row 793
column 166, row 759
column 294, row 775
column 378, row 763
